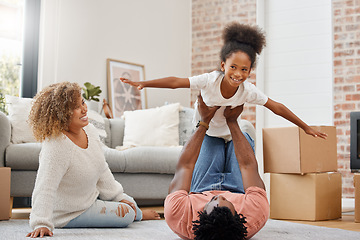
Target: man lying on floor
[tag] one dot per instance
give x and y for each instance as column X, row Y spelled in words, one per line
column 217, row 192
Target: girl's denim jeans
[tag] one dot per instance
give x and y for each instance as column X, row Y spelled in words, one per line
column 217, row 167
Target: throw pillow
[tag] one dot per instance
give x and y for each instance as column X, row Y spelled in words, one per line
column 99, row 123
column 152, row 127
column 19, row 110
column 186, row 126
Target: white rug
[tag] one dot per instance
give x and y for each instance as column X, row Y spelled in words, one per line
column 147, row 230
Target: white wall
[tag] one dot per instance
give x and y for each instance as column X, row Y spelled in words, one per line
column 296, row 65
column 298, row 60
column 77, row 36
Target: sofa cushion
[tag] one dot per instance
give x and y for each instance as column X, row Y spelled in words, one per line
column 143, row 159
column 115, row 159
column 23, row 156
column 116, row 132
column 152, row 127
column 186, row 126
column 19, row 110
column 99, row 123
column 247, row 127
column 108, row 132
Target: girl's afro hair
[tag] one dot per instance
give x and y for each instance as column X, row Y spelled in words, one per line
column 247, row 34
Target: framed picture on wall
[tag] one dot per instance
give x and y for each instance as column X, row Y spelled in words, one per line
column 123, row 97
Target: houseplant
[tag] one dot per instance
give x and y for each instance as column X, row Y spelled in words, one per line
column 91, row 94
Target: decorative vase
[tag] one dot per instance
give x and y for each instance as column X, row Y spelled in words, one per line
column 92, row 105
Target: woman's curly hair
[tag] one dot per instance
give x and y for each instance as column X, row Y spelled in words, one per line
column 249, row 39
column 220, row 224
column 52, row 109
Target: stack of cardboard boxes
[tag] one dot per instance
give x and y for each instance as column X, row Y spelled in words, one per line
column 304, row 183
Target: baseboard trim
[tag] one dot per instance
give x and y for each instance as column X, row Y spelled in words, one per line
column 348, row 203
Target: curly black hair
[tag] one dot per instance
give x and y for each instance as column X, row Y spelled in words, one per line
column 249, row 39
column 220, row 224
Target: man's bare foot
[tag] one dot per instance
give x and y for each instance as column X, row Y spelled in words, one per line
column 150, row 215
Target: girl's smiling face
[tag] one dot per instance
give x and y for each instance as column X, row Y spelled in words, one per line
column 236, row 68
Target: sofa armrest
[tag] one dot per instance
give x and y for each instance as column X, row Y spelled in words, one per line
column 247, row 127
column 5, row 136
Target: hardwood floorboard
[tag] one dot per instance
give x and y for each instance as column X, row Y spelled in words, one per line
column 346, row 222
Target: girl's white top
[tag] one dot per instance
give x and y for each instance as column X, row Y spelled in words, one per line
column 209, row 85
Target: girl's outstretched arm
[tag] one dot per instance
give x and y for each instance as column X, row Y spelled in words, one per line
column 168, row 82
column 283, row 111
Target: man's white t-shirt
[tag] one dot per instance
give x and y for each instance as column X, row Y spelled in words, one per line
column 209, row 85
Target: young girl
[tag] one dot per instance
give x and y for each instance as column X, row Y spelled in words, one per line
column 229, row 87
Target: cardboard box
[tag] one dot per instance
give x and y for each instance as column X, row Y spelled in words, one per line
column 5, row 174
column 312, row 197
column 291, row 150
column 357, row 196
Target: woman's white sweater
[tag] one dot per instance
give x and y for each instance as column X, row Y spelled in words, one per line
column 70, row 179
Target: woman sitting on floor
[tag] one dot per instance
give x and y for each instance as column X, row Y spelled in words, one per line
column 74, row 186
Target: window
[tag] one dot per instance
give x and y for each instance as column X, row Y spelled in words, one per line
column 11, row 41
column 19, row 46
column 31, row 48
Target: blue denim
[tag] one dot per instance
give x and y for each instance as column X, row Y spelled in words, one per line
column 105, row 214
column 217, row 167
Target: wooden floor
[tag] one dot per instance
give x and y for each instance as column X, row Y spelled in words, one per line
column 346, row 222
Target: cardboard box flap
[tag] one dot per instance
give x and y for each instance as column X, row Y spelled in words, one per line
column 328, row 185
column 291, row 150
column 275, row 139
column 313, row 150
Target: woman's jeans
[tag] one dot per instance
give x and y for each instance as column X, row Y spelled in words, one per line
column 217, row 167
column 106, row 214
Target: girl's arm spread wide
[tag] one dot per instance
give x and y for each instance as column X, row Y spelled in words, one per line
column 283, row 111
column 168, row 82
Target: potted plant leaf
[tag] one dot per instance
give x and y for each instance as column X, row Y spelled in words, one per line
column 91, row 94
column 2, row 104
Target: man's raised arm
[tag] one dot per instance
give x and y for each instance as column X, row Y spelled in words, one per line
column 191, row 150
column 243, row 151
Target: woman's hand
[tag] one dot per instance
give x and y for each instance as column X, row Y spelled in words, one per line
column 315, row 133
column 206, row 112
column 40, row 232
column 132, row 205
column 138, row 85
column 232, row 114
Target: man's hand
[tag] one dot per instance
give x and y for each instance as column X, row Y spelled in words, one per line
column 231, row 115
column 206, row 112
column 132, row 205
